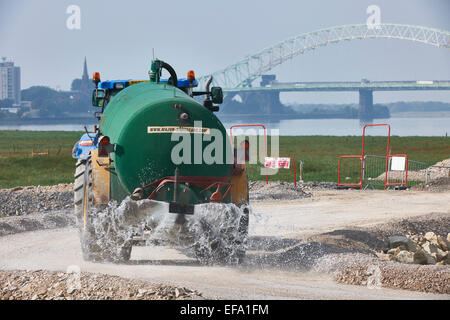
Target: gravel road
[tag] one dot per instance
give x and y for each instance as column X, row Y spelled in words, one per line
column 283, row 261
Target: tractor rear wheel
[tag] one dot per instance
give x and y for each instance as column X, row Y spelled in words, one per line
column 92, row 241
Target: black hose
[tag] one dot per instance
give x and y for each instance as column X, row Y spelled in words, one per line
column 173, row 80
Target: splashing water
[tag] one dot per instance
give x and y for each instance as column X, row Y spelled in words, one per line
column 220, row 233
column 215, row 233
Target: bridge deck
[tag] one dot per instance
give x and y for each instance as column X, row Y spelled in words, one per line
column 347, row 86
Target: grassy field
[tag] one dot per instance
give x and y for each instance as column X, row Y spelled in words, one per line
column 19, row 168
column 319, row 154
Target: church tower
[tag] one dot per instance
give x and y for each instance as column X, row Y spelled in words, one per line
column 86, row 85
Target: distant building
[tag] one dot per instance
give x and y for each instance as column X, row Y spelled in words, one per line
column 10, row 110
column 86, row 85
column 9, row 81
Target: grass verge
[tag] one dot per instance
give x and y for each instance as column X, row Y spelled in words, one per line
column 318, row 153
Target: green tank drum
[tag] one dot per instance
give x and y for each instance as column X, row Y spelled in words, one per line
column 156, row 142
column 140, row 121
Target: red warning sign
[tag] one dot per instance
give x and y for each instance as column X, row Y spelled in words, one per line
column 277, row 163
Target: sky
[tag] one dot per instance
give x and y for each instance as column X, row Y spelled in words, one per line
column 118, row 37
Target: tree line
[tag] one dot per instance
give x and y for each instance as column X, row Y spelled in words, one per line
column 50, row 103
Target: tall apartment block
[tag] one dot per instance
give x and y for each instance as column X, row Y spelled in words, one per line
column 9, row 81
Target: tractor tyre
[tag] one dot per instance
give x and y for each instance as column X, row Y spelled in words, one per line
column 91, row 239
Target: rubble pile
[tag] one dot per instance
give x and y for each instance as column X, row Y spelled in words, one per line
column 259, row 190
column 427, row 249
column 437, row 171
column 436, row 185
column 388, row 274
column 28, row 200
column 45, row 285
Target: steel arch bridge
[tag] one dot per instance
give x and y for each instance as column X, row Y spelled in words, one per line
column 244, row 72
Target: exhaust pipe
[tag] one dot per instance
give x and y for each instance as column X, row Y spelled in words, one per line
column 207, row 100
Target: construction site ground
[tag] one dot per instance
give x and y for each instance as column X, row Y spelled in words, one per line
column 319, row 245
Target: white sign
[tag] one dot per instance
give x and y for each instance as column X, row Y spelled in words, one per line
column 398, row 163
column 200, row 130
column 277, row 163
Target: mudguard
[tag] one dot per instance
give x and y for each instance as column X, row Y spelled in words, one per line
column 84, row 146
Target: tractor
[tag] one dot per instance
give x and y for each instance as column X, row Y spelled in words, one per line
column 130, row 158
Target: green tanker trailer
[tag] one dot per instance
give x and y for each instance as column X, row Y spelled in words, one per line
column 156, row 143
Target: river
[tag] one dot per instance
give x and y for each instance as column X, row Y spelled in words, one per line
column 296, row 127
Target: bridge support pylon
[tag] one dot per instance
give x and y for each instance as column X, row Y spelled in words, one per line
column 366, row 105
column 265, row 103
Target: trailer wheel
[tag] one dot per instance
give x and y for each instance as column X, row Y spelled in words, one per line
column 92, row 242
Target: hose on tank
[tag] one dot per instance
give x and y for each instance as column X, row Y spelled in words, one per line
column 173, row 80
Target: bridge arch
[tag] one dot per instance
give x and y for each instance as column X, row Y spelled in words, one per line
column 253, row 66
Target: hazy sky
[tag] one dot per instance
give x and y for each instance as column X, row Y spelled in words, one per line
column 118, row 36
